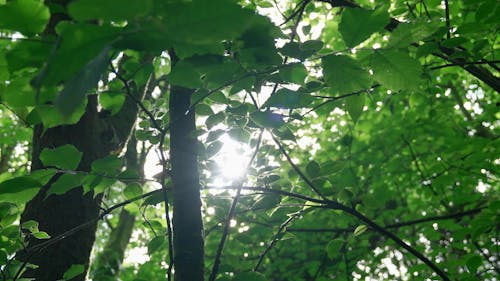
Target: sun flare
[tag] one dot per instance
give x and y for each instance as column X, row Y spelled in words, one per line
column 231, row 161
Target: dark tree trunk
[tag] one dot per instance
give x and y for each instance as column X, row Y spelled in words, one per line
column 57, row 214
column 187, row 221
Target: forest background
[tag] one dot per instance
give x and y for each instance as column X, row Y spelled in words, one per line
column 249, row 140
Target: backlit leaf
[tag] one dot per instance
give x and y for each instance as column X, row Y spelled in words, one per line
column 358, row 24
column 65, row 183
column 344, row 75
column 360, row 229
column 66, row 157
column 354, row 105
column 396, row 70
column 25, row 16
column 74, row 271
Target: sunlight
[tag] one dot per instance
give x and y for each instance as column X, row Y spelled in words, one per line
column 231, row 161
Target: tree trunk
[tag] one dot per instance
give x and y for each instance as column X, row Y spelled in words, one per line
column 59, row 213
column 187, row 221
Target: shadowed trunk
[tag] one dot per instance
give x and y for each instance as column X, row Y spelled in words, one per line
column 187, row 221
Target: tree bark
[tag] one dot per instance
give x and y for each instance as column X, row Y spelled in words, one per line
column 187, row 221
column 59, row 213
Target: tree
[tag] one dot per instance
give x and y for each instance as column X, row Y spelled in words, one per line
column 368, row 132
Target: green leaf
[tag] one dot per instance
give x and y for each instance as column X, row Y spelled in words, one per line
column 266, row 202
column 344, row 74
column 155, row 244
column 286, row 98
column 52, row 117
column 18, row 92
column 75, row 91
column 267, row 119
column 155, row 198
column 358, row 24
column 473, row 263
column 185, row 74
column 249, row 276
column 31, row 226
column 295, row 73
column 41, row 235
column 109, row 165
column 25, row 16
column 312, row 169
column 334, row 247
column 204, row 110
column 112, row 10
column 96, row 183
column 354, row 105
column 202, row 22
column 360, row 229
column 65, row 183
column 74, row 271
column 66, row 157
column 89, row 41
column 112, row 101
column 215, row 119
column 18, row 190
column 132, row 190
column 396, row 70
column 312, row 45
column 299, row 51
column 408, row 33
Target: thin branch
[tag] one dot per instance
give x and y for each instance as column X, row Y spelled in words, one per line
column 275, row 239
column 128, row 91
column 447, row 15
column 394, row 225
column 487, row 257
column 296, row 168
column 329, row 204
column 462, row 64
column 231, row 213
column 332, row 99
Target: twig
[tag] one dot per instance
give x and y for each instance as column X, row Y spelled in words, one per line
column 332, row 99
column 231, row 213
column 275, row 239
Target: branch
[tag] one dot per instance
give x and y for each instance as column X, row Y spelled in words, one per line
column 329, row 204
column 296, row 168
column 447, row 16
column 275, row 239
column 462, row 64
column 332, row 99
column 231, row 213
column 480, row 73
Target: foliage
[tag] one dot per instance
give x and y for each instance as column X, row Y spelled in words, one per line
column 380, row 153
